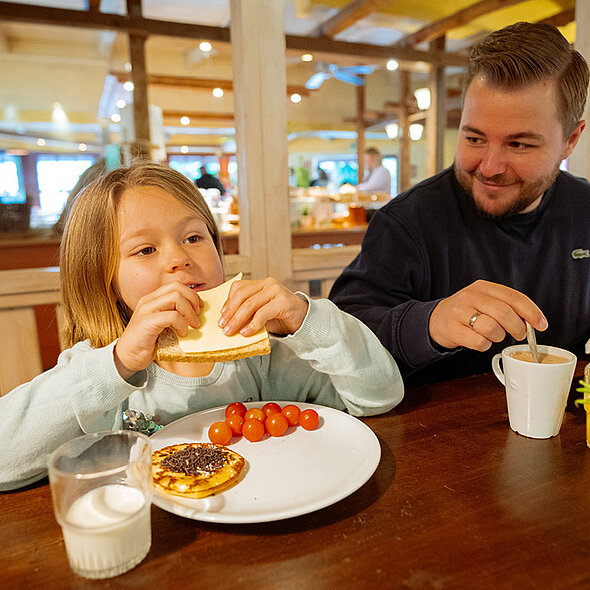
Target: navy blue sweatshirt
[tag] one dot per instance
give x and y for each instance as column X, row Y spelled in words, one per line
column 431, row 241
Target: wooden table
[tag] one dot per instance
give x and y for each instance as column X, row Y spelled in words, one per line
column 458, row 501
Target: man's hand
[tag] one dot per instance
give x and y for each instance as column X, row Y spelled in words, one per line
column 500, row 308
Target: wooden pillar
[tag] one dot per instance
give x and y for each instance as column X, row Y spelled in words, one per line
column 30, row 178
column 436, row 117
column 360, row 131
column 260, row 106
column 141, row 117
column 405, row 174
column 224, row 169
column 579, row 161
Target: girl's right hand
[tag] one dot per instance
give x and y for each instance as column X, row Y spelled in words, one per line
column 173, row 305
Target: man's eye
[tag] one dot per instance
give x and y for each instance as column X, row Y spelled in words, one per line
column 473, row 140
column 517, row 145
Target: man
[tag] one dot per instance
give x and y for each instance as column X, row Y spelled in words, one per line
column 378, row 179
column 209, row 181
column 450, row 271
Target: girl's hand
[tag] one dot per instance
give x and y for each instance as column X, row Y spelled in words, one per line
column 171, row 306
column 251, row 305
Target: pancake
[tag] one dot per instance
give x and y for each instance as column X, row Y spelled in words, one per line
column 195, row 470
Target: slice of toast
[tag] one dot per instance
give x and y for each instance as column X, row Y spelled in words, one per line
column 208, row 343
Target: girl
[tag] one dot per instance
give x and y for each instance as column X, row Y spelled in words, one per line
column 139, row 246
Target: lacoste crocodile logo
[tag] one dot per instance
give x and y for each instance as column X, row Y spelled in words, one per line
column 580, row 253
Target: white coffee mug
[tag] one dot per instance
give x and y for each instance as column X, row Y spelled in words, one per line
column 536, row 394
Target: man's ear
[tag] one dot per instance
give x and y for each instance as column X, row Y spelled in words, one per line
column 573, row 139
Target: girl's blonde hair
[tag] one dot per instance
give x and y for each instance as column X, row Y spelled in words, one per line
column 89, row 256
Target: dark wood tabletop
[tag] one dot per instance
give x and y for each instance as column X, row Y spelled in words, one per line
column 458, row 501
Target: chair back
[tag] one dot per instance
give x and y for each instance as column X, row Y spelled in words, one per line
column 20, row 351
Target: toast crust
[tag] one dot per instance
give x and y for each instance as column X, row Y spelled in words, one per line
column 169, row 350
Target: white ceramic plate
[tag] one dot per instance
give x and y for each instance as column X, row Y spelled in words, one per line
column 286, row 476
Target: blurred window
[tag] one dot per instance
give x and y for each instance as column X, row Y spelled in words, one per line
column 190, row 165
column 342, row 169
column 56, row 176
column 12, row 189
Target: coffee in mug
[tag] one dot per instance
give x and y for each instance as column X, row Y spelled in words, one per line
column 545, row 358
column 536, row 393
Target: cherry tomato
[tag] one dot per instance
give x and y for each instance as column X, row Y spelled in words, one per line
column 276, row 424
column 291, row 412
column 253, row 430
column 256, row 414
column 236, row 408
column 309, row 419
column 271, row 408
column 220, row 433
column 235, row 422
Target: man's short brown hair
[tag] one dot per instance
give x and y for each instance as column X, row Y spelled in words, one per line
column 526, row 53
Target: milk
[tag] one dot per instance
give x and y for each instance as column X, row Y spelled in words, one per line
column 107, row 531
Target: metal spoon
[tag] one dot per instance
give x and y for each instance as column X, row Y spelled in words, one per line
column 530, row 336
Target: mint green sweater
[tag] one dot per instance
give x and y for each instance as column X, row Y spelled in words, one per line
column 332, row 360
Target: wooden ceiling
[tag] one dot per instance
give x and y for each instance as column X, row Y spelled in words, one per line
column 90, row 36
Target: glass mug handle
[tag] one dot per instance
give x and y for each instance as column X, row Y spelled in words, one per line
column 496, row 368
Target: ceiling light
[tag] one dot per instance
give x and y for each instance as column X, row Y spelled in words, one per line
column 185, row 120
column 11, row 112
column 128, row 86
column 392, row 65
column 205, row 46
column 217, row 92
column 82, row 147
column 41, row 142
column 416, row 130
column 392, row 130
column 184, row 149
column 296, row 98
column 115, row 117
column 121, row 104
column 422, row 98
column 307, row 57
column 59, row 115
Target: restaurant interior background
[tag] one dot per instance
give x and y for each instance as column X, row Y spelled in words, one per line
column 222, row 83
column 66, row 97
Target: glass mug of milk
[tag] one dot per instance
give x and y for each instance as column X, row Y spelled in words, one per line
column 101, row 485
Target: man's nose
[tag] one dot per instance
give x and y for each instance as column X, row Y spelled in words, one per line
column 493, row 162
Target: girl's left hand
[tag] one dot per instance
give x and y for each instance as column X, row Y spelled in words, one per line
column 251, row 305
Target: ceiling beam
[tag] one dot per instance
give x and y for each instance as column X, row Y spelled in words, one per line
column 560, row 19
column 203, row 83
column 62, row 17
column 462, row 17
column 349, row 15
column 325, row 45
column 198, row 115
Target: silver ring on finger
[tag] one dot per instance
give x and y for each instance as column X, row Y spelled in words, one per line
column 473, row 318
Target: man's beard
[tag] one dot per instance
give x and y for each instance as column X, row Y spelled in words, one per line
column 528, row 193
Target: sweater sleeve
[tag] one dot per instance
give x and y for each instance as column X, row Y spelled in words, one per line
column 334, row 360
column 81, row 394
column 387, row 287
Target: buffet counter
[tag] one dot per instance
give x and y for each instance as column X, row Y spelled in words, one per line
column 40, row 247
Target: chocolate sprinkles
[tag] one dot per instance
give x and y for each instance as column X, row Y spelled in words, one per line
column 195, row 460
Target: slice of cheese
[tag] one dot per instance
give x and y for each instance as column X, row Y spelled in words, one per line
column 209, row 336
